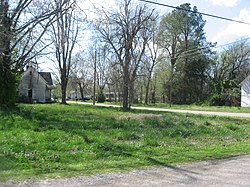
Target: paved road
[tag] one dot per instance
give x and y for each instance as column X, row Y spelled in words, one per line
column 232, row 172
column 227, row 114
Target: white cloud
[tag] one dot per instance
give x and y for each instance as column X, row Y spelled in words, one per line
column 225, row 3
column 235, row 30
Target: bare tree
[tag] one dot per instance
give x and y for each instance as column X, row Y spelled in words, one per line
column 65, row 31
column 115, row 81
column 152, row 58
column 28, row 23
column 80, row 71
column 96, row 56
column 123, row 30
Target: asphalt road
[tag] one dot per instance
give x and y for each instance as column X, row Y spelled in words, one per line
column 231, row 172
column 227, row 114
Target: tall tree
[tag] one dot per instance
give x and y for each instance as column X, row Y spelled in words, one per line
column 188, row 51
column 7, row 78
column 152, row 57
column 195, row 59
column 80, row 72
column 124, row 31
column 169, row 39
column 65, row 31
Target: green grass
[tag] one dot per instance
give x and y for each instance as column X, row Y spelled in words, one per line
column 47, row 141
column 233, row 109
column 202, row 107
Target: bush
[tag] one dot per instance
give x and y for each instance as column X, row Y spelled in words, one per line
column 100, row 96
column 216, row 100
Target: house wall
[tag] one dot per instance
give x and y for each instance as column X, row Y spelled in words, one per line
column 35, row 82
column 245, row 94
column 38, row 89
column 47, row 94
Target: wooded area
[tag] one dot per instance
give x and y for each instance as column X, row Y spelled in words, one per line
column 139, row 55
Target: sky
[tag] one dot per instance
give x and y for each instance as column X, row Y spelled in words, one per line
column 217, row 30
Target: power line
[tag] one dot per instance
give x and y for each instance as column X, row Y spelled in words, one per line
column 202, row 13
column 197, row 50
column 243, row 39
column 211, row 46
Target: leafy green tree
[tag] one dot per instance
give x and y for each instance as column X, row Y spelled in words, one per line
column 182, row 36
column 230, row 69
column 168, row 38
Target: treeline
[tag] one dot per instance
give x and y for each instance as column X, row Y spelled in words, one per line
column 168, row 59
column 135, row 55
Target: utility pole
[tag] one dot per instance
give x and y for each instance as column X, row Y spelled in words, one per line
column 94, row 98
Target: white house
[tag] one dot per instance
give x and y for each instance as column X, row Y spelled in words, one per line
column 35, row 86
column 245, row 92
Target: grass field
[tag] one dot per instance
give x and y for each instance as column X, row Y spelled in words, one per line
column 41, row 141
column 234, row 109
column 196, row 107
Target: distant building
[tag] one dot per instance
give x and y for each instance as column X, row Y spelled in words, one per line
column 79, row 89
column 74, row 95
column 245, row 92
column 35, row 86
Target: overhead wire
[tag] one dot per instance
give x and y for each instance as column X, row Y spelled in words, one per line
column 196, row 50
column 202, row 13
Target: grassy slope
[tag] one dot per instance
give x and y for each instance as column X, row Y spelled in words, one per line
column 38, row 141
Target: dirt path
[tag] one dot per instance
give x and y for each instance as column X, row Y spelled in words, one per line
column 232, row 172
column 227, row 114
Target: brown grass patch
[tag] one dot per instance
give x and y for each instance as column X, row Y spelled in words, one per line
column 139, row 116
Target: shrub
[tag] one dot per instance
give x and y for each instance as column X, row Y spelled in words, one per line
column 100, row 96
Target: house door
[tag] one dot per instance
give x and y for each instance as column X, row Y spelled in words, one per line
column 30, row 93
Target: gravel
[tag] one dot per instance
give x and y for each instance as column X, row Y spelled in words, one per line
column 230, row 172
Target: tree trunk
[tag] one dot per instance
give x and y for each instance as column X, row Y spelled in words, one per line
column 147, row 87
column 64, row 88
column 125, row 103
column 141, row 94
column 110, row 99
column 126, row 82
column 7, row 76
column 81, row 90
column 115, row 91
column 171, row 82
column 131, row 94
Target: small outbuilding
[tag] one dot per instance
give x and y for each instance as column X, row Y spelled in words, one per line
column 35, row 86
column 245, row 92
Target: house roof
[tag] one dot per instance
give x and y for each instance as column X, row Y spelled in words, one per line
column 47, row 77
